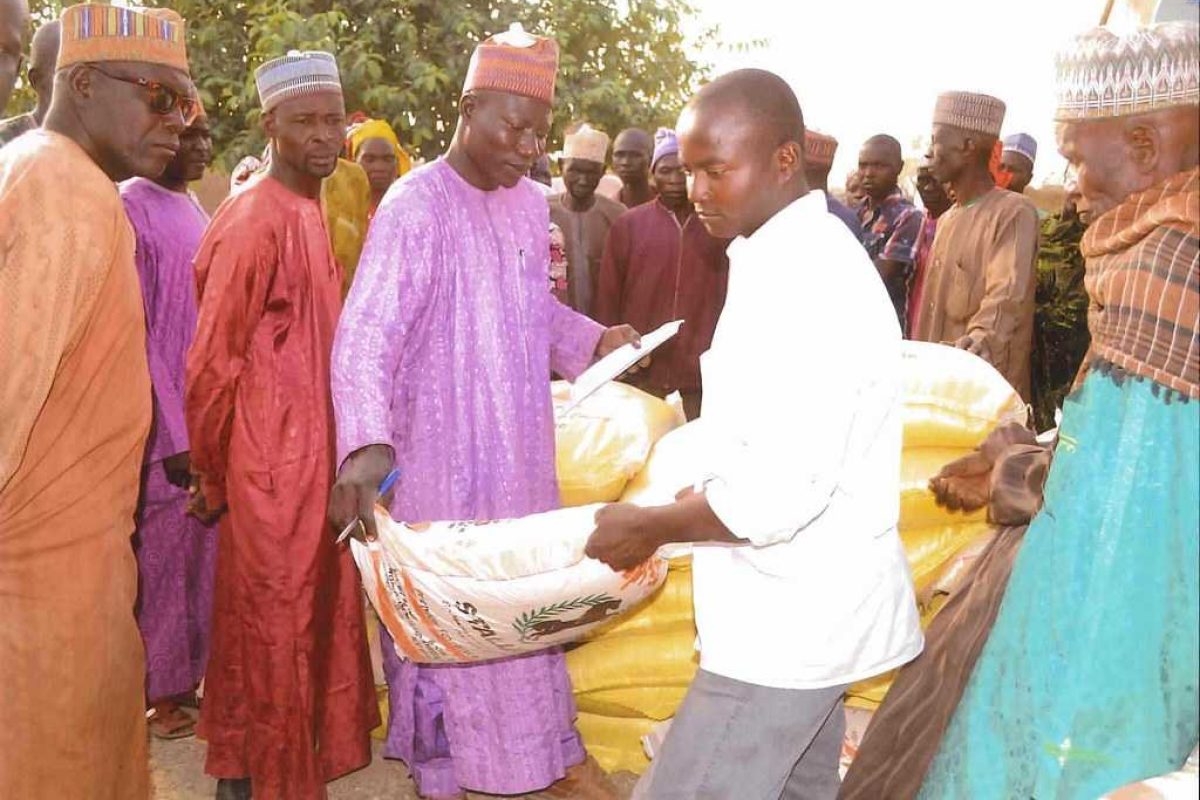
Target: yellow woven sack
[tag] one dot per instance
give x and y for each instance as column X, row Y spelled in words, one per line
column 674, row 464
column 648, row 702
column 606, row 440
column 663, row 657
column 932, row 554
column 615, row 742
column 670, row 606
column 930, row 549
column 953, row 398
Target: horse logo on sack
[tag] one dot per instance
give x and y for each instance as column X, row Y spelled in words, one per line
column 539, row 623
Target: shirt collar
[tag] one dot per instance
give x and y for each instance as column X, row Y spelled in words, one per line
column 801, row 212
column 892, row 196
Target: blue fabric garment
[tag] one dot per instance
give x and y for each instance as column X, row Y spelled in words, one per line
column 843, row 212
column 1088, row 680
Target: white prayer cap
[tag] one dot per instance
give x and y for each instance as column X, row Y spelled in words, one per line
column 1105, row 74
column 586, row 143
column 299, row 73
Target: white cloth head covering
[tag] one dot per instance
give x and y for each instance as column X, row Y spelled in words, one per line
column 1021, row 143
column 970, row 111
column 299, row 73
column 587, row 143
column 1105, row 74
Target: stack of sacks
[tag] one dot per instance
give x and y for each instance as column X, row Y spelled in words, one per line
column 952, row 401
column 605, row 441
column 632, row 675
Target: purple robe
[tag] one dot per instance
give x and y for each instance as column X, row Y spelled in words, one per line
column 175, row 552
column 444, row 351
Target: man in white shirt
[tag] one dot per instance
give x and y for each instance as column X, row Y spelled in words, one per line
column 801, row 582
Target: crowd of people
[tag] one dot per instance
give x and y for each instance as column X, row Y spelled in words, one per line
column 193, row 410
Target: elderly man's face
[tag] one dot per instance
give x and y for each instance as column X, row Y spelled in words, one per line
column 581, row 176
column 134, row 114
column 1099, row 153
column 948, row 153
column 503, row 134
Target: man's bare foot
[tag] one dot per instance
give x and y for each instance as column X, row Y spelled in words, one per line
column 584, row 781
column 233, row 789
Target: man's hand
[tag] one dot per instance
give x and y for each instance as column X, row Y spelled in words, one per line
column 965, row 484
column 970, row 344
column 179, row 469
column 622, row 538
column 619, row 336
column 357, row 489
column 198, row 506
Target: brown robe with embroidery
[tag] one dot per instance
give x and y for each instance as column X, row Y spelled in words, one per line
column 980, row 282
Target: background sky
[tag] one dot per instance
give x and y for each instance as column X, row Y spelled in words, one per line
column 862, row 67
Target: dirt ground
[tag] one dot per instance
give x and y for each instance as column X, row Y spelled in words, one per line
column 177, row 768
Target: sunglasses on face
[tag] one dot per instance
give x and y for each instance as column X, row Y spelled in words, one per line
column 162, row 100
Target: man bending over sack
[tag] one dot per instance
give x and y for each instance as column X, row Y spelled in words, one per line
column 801, row 583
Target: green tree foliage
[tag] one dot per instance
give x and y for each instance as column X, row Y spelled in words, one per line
column 623, row 62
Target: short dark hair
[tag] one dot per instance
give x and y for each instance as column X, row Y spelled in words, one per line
column 759, row 96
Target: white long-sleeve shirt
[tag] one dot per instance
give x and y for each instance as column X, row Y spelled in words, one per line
column 802, row 421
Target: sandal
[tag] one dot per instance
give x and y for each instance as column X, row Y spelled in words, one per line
column 169, row 721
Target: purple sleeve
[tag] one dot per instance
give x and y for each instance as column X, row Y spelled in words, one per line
column 573, row 339
column 384, row 306
column 902, row 244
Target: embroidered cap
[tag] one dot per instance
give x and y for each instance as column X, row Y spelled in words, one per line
column 819, row 148
column 587, row 143
column 971, row 111
column 97, row 33
column 299, row 73
column 515, row 62
column 1104, row 74
column 1021, row 143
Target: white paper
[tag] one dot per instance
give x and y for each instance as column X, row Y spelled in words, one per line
column 617, row 362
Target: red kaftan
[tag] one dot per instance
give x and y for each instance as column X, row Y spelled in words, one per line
column 289, row 699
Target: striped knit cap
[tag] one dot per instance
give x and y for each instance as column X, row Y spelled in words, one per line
column 979, row 113
column 1103, row 74
column 299, row 73
column 95, row 33
column 515, row 62
column 819, row 148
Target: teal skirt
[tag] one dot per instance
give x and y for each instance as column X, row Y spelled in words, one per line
column 1088, row 680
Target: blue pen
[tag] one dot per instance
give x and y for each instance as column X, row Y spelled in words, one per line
column 387, row 484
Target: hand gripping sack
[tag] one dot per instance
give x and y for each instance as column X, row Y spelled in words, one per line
column 460, row 592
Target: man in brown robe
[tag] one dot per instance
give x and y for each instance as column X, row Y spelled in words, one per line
column 75, row 408
column 583, row 215
column 979, row 284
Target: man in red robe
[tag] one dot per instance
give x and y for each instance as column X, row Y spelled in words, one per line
column 289, row 701
column 661, row 264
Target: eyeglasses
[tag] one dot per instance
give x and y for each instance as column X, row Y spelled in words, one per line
column 163, row 100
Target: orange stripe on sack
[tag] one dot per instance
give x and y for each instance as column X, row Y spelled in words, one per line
column 391, row 620
column 433, row 629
